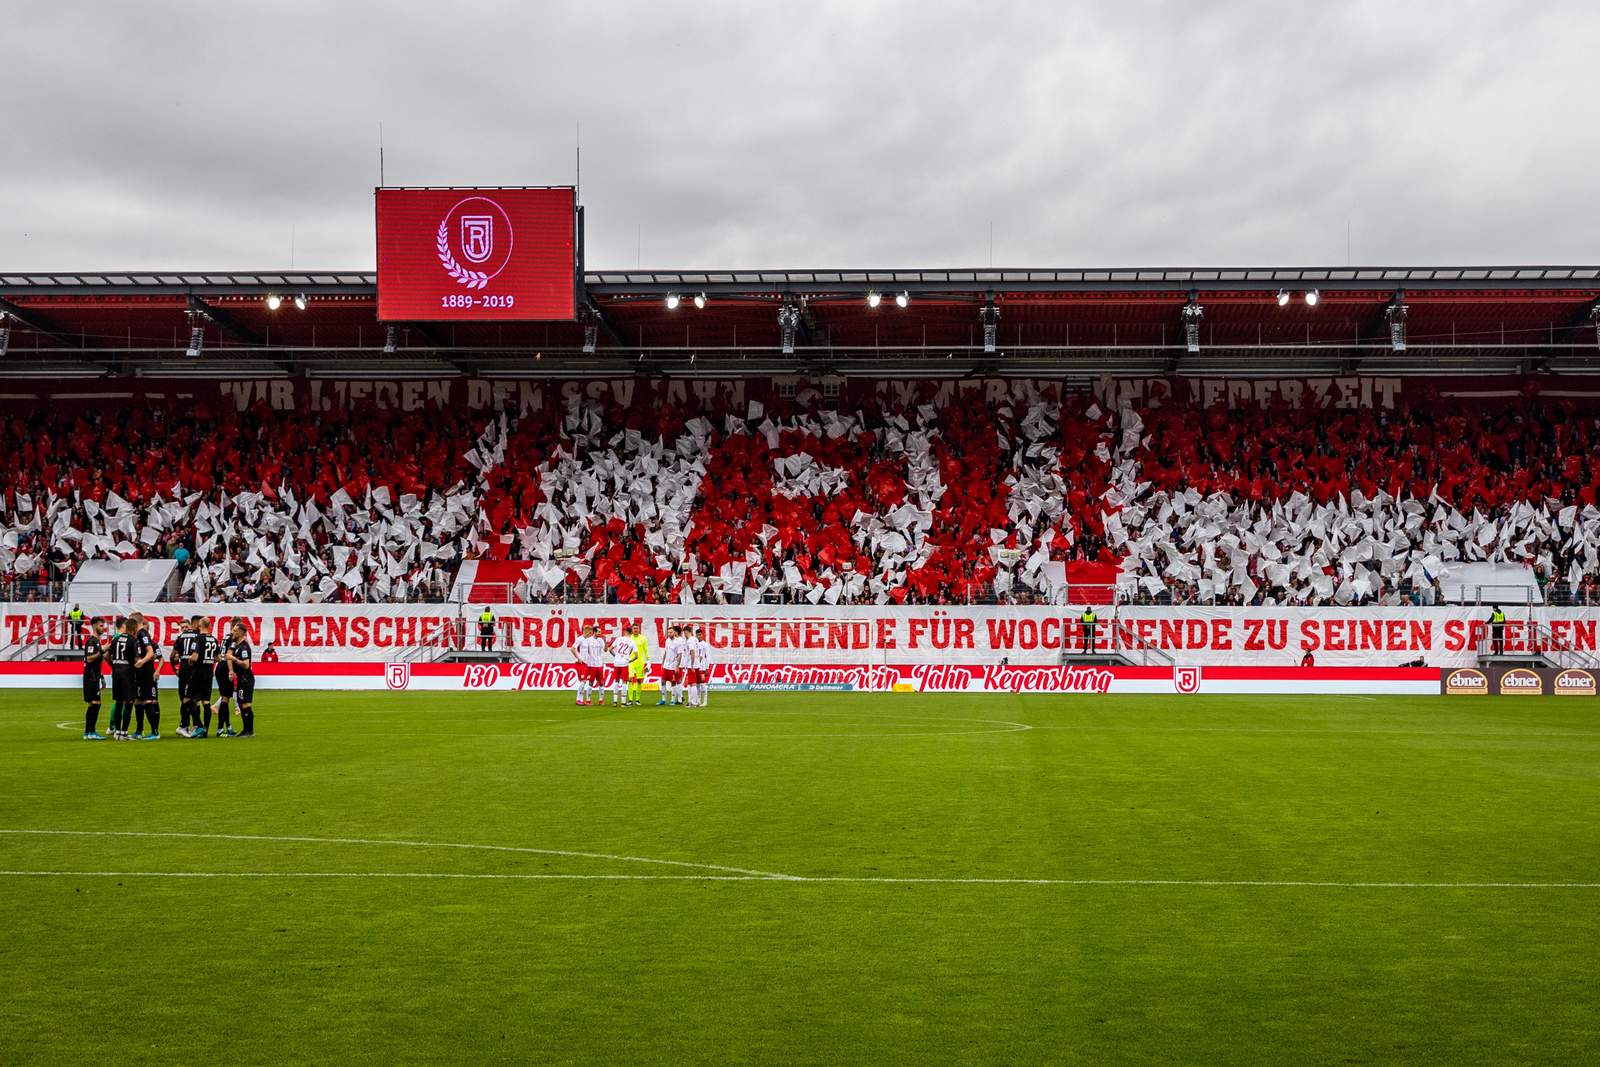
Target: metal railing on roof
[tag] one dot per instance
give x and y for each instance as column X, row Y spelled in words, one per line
column 844, row 280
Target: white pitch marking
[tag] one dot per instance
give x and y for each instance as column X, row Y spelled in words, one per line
column 1092, row 728
column 402, row 844
column 767, row 735
column 1201, row 883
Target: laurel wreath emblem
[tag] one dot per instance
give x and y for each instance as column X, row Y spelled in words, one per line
column 472, row 279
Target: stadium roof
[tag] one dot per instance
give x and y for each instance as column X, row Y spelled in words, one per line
column 1079, row 322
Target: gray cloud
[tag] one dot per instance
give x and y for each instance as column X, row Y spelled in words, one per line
column 196, row 135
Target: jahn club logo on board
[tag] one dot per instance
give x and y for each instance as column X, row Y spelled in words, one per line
column 474, row 241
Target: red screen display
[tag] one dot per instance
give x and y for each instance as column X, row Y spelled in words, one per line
column 476, row 254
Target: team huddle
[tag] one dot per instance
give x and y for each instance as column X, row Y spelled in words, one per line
column 197, row 659
column 622, row 664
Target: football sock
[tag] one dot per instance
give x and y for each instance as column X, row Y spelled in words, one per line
column 155, row 718
column 206, row 723
column 90, row 717
column 138, row 711
column 248, row 715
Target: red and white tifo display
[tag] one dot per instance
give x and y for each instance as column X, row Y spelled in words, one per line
column 476, row 255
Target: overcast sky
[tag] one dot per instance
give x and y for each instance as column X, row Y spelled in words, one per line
column 215, row 134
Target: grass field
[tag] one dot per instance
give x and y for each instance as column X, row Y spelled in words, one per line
column 807, row 879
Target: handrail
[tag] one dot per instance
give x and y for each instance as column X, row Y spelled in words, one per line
column 1559, row 651
column 1127, row 640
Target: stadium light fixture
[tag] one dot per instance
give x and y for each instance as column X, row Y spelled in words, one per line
column 699, row 300
column 300, row 301
column 874, row 299
column 1312, row 296
column 274, row 301
column 902, row 300
column 1192, row 313
column 197, row 337
column 1395, row 313
column 989, row 315
column 672, row 301
column 788, row 325
column 1283, row 298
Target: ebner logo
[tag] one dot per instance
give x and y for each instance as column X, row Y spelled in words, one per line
column 1573, row 683
column 1521, row 682
column 477, row 230
column 1466, row 680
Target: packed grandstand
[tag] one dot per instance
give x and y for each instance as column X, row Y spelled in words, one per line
column 1030, row 498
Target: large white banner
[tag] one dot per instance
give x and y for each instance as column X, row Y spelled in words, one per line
column 857, row 636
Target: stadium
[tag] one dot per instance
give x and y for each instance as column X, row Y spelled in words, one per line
column 493, row 656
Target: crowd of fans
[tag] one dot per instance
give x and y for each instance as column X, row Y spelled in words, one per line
column 809, row 500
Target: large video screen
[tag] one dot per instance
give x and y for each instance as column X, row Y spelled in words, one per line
column 476, row 254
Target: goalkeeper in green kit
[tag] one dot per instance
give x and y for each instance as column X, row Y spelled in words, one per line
column 638, row 666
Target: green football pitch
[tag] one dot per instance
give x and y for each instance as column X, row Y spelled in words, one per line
column 807, row 878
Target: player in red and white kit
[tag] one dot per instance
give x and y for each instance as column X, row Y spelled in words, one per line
column 685, row 665
column 589, row 651
column 672, row 668
column 621, row 648
column 698, row 652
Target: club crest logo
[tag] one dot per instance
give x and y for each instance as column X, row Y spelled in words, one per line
column 397, row 675
column 474, row 241
column 1186, row 679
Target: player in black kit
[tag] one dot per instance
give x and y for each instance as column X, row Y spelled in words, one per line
column 120, row 652
column 224, row 675
column 147, row 704
column 94, row 657
column 199, row 688
column 185, row 661
column 244, row 679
